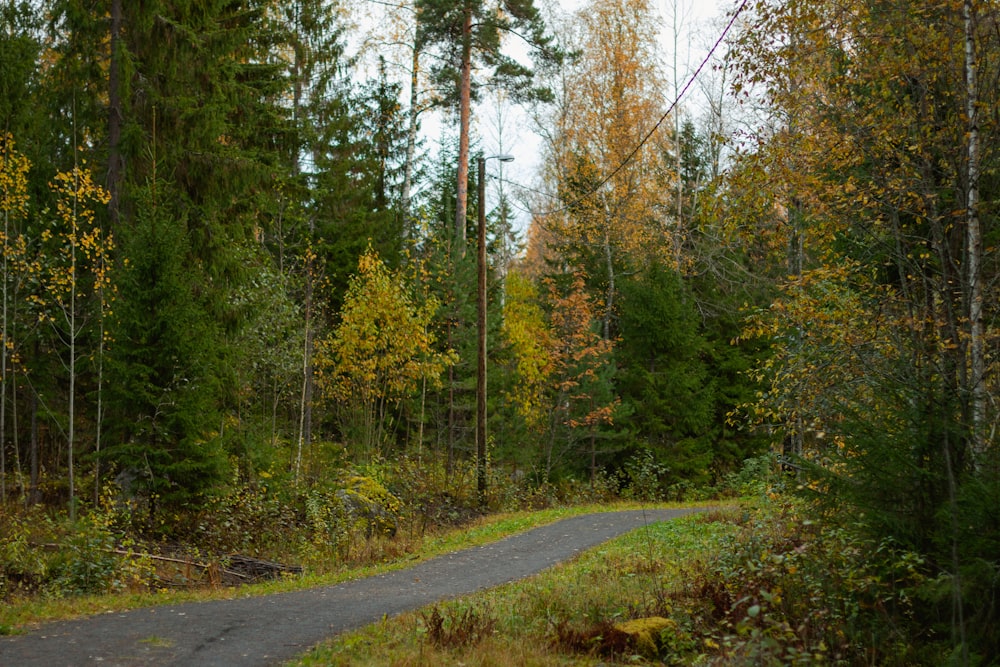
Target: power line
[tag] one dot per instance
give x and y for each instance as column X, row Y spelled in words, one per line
column 655, row 127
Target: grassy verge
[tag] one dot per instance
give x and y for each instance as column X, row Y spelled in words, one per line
column 761, row 583
column 566, row 615
column 375, row 556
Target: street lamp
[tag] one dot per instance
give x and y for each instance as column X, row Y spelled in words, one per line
column 481, row 330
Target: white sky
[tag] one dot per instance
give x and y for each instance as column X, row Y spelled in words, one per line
column 698, row 26
column 498, row 127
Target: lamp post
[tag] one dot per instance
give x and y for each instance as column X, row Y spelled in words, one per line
column 481, row 329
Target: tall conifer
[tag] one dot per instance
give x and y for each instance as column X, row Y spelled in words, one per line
column 468, row 35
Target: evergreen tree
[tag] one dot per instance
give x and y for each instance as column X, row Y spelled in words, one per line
column 353, row 204
column 20, row 47
column 449, row 279
column 165, row 409
column 664, row 376
column 469, row 33
column 201, row 131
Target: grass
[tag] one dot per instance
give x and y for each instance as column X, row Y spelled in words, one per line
column 21, row 614
column 559, row 617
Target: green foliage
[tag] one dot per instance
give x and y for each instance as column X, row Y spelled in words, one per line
column 86, row 563
column 21, row 570
column 680, row 378
column 788, row 590
column 875, row 376
column 351, row 203
column 166, row 371
column 644, row 476
column 19, row 50
column 432, row 495
column 979, row 571
column 889, row 477
column 378, row 355
column 319, row 524
column 756, row 476
column 480, row 27
column 327, row 521
column 55, row 558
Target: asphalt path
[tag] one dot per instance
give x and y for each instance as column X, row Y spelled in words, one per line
column 272, row 629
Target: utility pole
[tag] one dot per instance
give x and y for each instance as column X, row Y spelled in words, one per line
column 481, row 329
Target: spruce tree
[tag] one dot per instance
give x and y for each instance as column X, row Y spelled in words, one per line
column 664, row 375
column 165, row 410
column 201, row 100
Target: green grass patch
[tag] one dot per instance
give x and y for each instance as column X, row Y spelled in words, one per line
column 19, row 614
column 528, row 622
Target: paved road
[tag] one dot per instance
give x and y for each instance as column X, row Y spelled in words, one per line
column 269, row 630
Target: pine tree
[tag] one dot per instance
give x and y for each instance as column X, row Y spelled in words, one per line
column 469, row 34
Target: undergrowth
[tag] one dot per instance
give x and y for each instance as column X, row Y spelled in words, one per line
column 755, row 584
column 760, row 583
column 327, row 526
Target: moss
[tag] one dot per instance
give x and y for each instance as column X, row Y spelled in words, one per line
column 646, row 633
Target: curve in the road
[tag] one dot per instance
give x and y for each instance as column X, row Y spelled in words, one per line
column 268, row 630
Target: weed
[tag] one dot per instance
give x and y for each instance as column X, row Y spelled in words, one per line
column 458, row 628
column 158, row 642
column 601, row 638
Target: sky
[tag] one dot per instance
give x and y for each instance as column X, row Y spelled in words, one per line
column 505, row 128
column 699, row 23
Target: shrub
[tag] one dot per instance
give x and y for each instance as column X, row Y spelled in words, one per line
column 786, row 590
column 21, row 570
column 429, row 495
column 644, row 476
column 251, row 518
column 86, row 563
column 753, row 479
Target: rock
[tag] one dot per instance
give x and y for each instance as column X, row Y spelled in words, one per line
column 646, row 633
column 368, row 502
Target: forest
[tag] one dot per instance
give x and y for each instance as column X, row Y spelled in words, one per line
column 244, row 291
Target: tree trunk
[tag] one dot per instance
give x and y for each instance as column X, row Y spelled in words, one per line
column 465, row 111
column 305, row 400
column 974, row 241
column 450, row 462
column 70, row 431
column 115, row 116
column 610, row 295
column 306, row 396
column 34, row 497
column 411, row 136
column 100, row 406
column 3, row 369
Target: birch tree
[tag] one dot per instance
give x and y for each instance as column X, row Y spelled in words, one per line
column 873, row 165
column 76, row 267
column 614, row 186
column 379, row 353
column 14, row 200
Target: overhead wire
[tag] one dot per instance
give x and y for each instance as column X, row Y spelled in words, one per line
column 651, row 132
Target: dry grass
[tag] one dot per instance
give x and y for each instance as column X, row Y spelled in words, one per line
column 564, row 616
